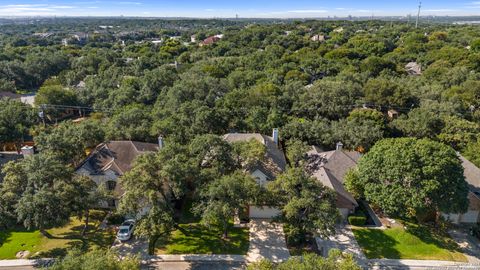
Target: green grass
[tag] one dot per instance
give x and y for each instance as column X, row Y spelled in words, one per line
column 193, row 238
column 417, row 242
column 57, row 243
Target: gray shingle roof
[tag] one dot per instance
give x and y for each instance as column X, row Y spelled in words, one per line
column 274, row 162
column 330, row 167
column 472, row 174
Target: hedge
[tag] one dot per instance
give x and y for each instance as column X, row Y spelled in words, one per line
column 357, row 220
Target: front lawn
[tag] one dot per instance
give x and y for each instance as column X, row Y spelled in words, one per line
column 193, row 238
column 56, row 244
column 416, row 242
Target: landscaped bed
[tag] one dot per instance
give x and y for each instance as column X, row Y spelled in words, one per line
column 194, row 238
column 58, row 241
column 416, row 242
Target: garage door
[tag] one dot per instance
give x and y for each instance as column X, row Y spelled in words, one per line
column 263, row 212
column 469, row 217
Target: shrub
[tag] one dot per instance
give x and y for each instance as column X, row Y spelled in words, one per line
column 357, row 220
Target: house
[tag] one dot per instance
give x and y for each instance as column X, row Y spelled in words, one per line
column 27, row 98
column 111, row 160
column 264, row 171
column 472, row 176
column 210, row 40
column 318, row 38
column 330, row 167
column 392, row 114
column 413, row 68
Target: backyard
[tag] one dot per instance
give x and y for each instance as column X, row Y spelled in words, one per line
column 416, row 242
column 58, row 241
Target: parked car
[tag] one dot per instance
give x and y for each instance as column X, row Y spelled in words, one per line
column 125, row 231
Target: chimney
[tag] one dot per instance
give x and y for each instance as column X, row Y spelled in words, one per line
column 275, row 136
column 161, row 143
column 27, row 151
column 339, row 146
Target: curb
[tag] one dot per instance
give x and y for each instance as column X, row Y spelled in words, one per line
column 197, row 258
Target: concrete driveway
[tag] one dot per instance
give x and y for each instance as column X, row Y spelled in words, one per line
column 343, row 240
column 267, row 240
column 135, row 246
column 468, row 244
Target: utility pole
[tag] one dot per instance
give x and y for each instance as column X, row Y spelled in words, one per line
column 418, row 14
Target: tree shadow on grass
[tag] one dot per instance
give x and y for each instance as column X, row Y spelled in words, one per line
column 5, row 236
column 429, row 236
column 376, row 244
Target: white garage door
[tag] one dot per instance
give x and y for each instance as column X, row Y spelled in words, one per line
column 263, row 212
column 451, row 217
column 469, row 217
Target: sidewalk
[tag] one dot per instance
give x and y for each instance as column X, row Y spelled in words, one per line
column 418, row 264
column 26, row 262
column 197, row 258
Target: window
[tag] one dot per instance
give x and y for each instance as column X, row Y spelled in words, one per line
column 111, row 203
column 111, row 185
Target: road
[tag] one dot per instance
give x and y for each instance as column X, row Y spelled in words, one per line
column 195, row 266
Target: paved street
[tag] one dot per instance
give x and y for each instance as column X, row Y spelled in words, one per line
column 195, row 266
column 267, row 240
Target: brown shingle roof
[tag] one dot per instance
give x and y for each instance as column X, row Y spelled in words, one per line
column 274, row 162
column 116, row 155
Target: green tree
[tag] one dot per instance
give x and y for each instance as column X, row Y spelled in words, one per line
column 336, row 260
column 96, row 259
column 151, row 187
column 308, row 207
column 222, row 198
column 458, row 132
column 472, row 152
column 42, row 191
column 69, row 140
column 425, row 177
column 56, row 95
column 16, row 119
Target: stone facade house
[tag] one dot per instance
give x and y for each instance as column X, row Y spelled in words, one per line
column 111, row 160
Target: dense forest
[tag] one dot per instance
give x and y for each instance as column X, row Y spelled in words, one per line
column 318, row 81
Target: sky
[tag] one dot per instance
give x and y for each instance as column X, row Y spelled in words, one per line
column 229, row 8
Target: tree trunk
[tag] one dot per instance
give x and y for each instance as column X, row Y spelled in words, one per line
column 44, row 233
column 225, row 229
column 85, row 226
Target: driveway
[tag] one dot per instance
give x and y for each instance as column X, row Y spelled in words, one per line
column 343, row 240
column 267, row 240
column 135, row 246
column 468, row 244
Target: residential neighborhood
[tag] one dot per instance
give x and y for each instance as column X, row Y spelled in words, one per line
column 239, row 135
